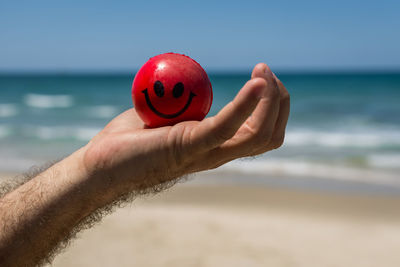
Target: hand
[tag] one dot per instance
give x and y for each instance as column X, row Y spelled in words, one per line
column 132, row 156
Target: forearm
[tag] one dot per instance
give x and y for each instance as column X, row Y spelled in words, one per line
column 41, row 213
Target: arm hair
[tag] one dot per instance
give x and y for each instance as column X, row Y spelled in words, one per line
column 88, row 221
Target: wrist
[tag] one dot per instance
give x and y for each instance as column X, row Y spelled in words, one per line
column 101, row 181
column 91, row 184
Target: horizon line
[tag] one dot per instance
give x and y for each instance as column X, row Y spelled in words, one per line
column 210, row 71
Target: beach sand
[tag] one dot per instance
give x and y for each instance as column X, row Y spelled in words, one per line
column 242, row 225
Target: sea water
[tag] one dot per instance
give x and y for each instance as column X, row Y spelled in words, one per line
column 342, row 126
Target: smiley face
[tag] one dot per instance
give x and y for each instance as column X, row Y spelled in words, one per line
column 177, row 92
column 171, row 88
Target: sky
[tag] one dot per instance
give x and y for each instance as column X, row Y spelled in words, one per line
column 220, row 35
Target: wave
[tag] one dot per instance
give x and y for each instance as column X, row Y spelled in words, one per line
column 391, row 161
column 295, row 168
column 8, row 110
column 102, row 111
column 62, row 132
column 367, row 138
column 48, row 101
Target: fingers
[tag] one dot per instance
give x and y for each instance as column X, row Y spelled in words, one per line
column 266, row 113
column 228, row 136
column 258, row 130
column 214, row 131
column 278, row 134
column 284, row 110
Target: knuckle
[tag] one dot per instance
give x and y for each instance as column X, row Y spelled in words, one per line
column 177, row 150
column 176, row 155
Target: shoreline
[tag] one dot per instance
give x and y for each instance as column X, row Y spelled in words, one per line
column 223, row 177
column 293, row 182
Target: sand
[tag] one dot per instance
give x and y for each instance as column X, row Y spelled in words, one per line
column 232, row 225
column 244, row 226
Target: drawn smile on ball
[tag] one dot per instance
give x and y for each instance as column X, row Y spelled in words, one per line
column 176, row 92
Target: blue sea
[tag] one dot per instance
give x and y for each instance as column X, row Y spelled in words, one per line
column 343, row 126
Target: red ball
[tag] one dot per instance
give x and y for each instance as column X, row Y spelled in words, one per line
column 170, row 88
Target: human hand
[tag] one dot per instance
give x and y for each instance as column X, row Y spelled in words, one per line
column 132, row 156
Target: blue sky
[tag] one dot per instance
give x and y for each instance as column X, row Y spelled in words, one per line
column 221, row 35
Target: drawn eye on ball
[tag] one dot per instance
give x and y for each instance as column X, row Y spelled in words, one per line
column 177, row 92
column 158, row 88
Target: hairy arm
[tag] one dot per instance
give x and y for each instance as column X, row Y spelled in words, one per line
column 126, row 159
column 42, row 212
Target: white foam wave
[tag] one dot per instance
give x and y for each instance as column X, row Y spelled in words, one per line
column 366, row 139
column 102, row 111
column 48, row 101
column 50, row 133
column 385, row 161
column 284, row 168
column 8, row 110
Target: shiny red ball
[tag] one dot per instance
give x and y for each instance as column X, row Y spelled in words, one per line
column 170, row 88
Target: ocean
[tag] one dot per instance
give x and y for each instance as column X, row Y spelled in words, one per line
column 343, row 126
